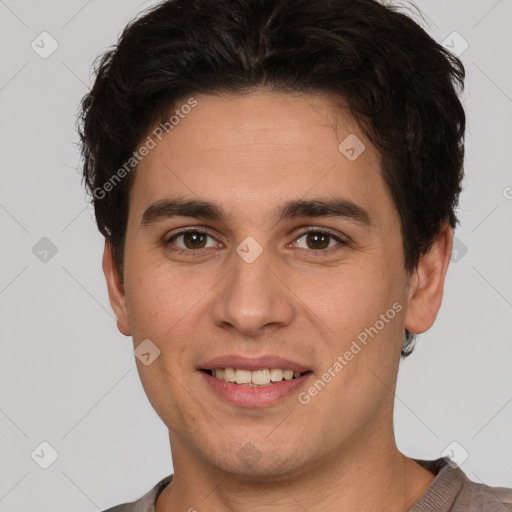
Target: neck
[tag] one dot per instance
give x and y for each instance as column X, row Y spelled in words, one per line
column 376, row 478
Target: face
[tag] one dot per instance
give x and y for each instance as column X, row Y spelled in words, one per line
column 320, row 283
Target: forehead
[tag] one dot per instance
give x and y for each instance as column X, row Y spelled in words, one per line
column 259, row 148
column 283, row 122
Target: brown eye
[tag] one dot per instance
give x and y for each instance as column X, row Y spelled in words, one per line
column 194, row 240
column 191, row 240
column 317, row 240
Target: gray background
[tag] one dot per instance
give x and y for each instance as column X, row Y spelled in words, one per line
column 69, row 378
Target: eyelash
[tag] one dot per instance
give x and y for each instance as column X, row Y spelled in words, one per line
column 198, row 252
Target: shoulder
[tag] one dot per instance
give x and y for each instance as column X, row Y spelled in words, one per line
column 453, row 491
column 479, row 497
column 146, row 503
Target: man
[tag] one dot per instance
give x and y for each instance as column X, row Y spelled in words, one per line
column 276, row 182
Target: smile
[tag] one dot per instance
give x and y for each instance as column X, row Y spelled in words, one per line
column 261, row 377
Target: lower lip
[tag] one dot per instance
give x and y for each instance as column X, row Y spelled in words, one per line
column 249, row 396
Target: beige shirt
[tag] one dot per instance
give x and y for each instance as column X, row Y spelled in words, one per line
column 451, row 491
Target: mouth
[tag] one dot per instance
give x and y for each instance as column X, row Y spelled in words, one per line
column 263, row 377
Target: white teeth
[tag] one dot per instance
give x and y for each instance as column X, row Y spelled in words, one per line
column 243, row 376
column 229, row 375
column 263, row 377
column 276, row 375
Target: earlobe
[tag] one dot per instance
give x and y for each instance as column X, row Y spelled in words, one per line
column 427, row 283
column 116, row 291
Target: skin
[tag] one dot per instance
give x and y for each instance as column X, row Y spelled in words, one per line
column 250, row 153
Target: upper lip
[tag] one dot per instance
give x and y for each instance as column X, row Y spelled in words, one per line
column 252, row 363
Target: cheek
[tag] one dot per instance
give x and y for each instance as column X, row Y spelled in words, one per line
column 157, row 295
column 168, row 307
column 153, row 305
column 162, row 310
column 365, row 316
column 350, row 298
column 364, row 311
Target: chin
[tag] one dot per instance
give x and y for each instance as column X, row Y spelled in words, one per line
column 263, row 464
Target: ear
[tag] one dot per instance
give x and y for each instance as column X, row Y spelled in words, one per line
column 426, row 283
column 116, row 293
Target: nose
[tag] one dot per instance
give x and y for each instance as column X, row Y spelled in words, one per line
column 253, row 298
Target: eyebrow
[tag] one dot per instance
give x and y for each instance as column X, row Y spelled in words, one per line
column 207, row 210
